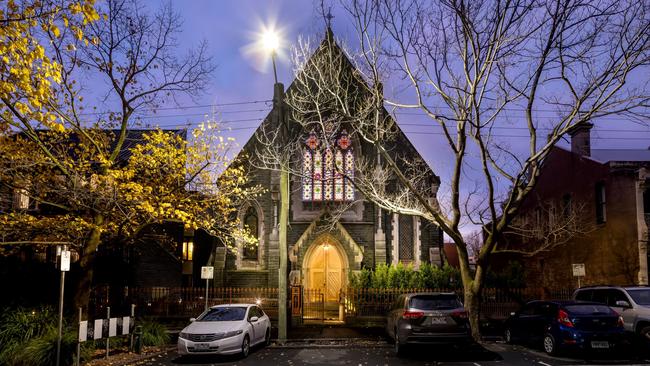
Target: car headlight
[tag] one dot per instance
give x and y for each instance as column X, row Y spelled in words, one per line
column 232, row 333
column 183, row 335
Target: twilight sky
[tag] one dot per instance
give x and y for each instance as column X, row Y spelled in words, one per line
column 230, row 27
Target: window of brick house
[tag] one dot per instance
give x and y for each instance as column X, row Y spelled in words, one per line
column 20, row 199
column 328, row 169
column 567, row 205
column 539, row 224
column 188, row 250
column 601, row 214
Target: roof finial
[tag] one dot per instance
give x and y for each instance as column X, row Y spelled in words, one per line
column 329, row 17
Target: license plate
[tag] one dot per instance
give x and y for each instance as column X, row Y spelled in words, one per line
column 202, row 346
column 599, row 344
column 437, row 320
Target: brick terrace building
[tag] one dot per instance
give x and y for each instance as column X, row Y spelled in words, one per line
column 610, row 190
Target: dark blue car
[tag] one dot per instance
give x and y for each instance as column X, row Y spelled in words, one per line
column 564, row 325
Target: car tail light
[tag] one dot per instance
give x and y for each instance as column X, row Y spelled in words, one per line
column 461, row 314
column 563, row 318
column 620, row 323
column 412, row 314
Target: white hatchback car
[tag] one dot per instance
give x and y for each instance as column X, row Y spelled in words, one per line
column 225, row 330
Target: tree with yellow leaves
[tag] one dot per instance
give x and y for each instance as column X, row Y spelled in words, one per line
column 95, row 181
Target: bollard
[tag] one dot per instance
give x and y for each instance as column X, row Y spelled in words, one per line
column 137, row 344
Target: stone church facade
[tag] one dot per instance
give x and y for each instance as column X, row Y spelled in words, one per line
column 323, row 253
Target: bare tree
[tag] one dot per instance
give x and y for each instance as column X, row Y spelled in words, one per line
column 544, row 228
column 470, row 67
column 131, row 54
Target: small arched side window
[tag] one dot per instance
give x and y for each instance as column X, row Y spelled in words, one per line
column 251, row 222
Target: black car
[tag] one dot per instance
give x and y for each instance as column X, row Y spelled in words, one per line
column 564, row 325
column 428, row 318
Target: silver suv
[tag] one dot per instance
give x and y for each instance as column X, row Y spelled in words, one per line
column 633, row 303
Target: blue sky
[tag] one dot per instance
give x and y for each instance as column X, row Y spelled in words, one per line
column 231, row 26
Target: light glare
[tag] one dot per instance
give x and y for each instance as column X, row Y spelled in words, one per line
column 271, row 40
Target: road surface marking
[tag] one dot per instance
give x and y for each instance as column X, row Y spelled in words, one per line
column 543, row 363
column 477, row 364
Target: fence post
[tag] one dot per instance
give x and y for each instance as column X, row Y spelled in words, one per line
column 108, row 339
column 78, row 361
column 131, row 333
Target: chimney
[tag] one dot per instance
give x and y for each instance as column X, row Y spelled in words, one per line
column 581, row 139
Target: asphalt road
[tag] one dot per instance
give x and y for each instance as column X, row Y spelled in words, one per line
column 491, row 354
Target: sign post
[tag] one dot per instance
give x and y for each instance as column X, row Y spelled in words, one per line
column 207, row 273
column 578, row 271
column 65, row 266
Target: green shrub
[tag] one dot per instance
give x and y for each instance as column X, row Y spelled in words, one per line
column 154, row 334
column 380, row 277
column 18, row 327
column 401, row 276
column 28, row 337
column 362, row 279
column 42, row 350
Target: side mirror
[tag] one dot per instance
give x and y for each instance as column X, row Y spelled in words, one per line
column 253, row 319
column 192, row 320
column 623, row 304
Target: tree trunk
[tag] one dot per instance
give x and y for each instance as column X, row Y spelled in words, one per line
column 86, row 266
column 473, row 307
column 472, row 286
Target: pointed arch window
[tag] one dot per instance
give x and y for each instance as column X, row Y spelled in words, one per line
column 250, row 252
column 328, row 169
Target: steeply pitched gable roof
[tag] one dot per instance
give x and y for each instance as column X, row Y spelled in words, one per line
column 329, row 44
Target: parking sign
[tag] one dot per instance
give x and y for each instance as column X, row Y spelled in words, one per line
column 207, row 273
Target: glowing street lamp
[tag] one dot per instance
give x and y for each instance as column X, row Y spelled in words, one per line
column 271, row 42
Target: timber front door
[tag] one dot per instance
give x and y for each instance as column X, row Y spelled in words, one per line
column 325, row 271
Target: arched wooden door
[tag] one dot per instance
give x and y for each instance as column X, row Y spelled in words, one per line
column 325, row 271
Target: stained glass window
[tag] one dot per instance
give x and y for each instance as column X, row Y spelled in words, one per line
column 349, row 174
column 306, row 176
column 318, row 176
column 328, row 168
column 329, row 171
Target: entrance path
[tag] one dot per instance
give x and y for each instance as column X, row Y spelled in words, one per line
column 335, row 332
column 493, row 354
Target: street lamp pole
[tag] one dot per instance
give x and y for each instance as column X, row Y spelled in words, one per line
column 64, row 266
column 275, row 71
column 272, row 43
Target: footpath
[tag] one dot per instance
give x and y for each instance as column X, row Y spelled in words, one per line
column 316, row 336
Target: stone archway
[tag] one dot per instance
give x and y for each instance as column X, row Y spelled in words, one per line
column 325, row 267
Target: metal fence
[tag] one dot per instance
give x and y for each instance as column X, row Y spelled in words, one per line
column 496, row 303
column 183, row 302
column 180, row 302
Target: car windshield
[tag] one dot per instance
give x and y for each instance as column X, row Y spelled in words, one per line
column 223, row 314
column 588, row 309
column 641, row 296
column 435, row 302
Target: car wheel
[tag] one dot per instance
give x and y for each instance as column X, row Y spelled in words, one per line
column 645, row 334
column 245, row 346
column 399, row 348
column 267, row 337
column 549, row 345
column 508, row 336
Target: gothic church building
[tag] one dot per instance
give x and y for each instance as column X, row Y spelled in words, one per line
column 323, row 254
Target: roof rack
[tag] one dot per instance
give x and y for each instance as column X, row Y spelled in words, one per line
column 630, row 285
